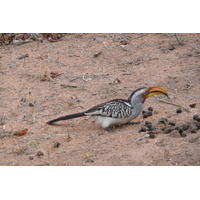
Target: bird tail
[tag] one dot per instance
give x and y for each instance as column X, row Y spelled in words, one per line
column 67, row 117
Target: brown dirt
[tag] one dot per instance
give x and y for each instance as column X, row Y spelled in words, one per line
column 83, row 70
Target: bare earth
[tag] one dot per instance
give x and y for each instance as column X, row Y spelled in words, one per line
column 84, row 70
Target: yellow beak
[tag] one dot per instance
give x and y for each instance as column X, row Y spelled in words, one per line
column 154, row 90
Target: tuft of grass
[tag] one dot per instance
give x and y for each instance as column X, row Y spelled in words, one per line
column 20, row 149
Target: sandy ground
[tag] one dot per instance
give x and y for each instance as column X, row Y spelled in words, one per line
column 83, row 70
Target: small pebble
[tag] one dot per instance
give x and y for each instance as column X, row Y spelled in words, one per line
column 145, row 115
column 89, row 160
column 150, row 109
column 183, row 134
column 56, row 144
column 177, row 128
column 163, row 120
column 150, row 113
column 147, row 122
column 168, row 130
column 151, row 128
column 178, row 110
column 149, row 125
column 185, row 127
column 193, row 130
column 151, row 135
column 31, row 157
column 39, row 153
column 198, row 119
column 180, row 130
column 143, row 129
column 198, row 125
column 195, row 117
column 193, row 105
column 172, row 123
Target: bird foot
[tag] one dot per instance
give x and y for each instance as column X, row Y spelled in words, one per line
column 109, row 130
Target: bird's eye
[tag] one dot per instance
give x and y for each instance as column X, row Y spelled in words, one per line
column 145, row 93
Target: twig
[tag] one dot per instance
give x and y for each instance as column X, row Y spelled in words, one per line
column 174, row 104
column 139, row 138
column 126, row 73
column 88, row 77
column 178, row 40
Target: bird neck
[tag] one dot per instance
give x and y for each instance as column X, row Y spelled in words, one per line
column 140, row 99
column 138, row 96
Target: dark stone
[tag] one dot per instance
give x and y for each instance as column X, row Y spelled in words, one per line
column 31, row 157
column 172, row 123
column 193, row 130
column 40, row 153
column 195, row 117
column 198, row 125
column 147, row 123
column 193, row 105
column 143, row 129
column 185, row 127
column 56, row 144
column 151, row 128
column 31, row 104
column 150, row 113
column 152, row 135
column 89, row 160
column 180, row 130
column 178, row 110
column 163, row 120
column 198, row 119
column 150, row 109
column 146, row 113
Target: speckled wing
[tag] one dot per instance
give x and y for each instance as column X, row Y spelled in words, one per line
column 117, row 108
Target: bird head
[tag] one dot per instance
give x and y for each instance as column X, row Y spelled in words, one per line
column 143, row 93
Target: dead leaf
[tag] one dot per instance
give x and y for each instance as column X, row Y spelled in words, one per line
column 54, row 74
column 20, row 133
column 69, row 139
column 45, row 77
column 97, row 54
column 117, row 80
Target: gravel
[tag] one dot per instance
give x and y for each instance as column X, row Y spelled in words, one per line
column 185, row 127
column 143, row 129
column 150, row 109
column 178, row 110
column 195, row 117
column 172, row 123
column 193, row 130
column 56, row 144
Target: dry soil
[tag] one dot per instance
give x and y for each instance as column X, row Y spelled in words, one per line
column 40, row 81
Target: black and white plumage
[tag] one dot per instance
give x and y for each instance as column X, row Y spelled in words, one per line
column 118, row 111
